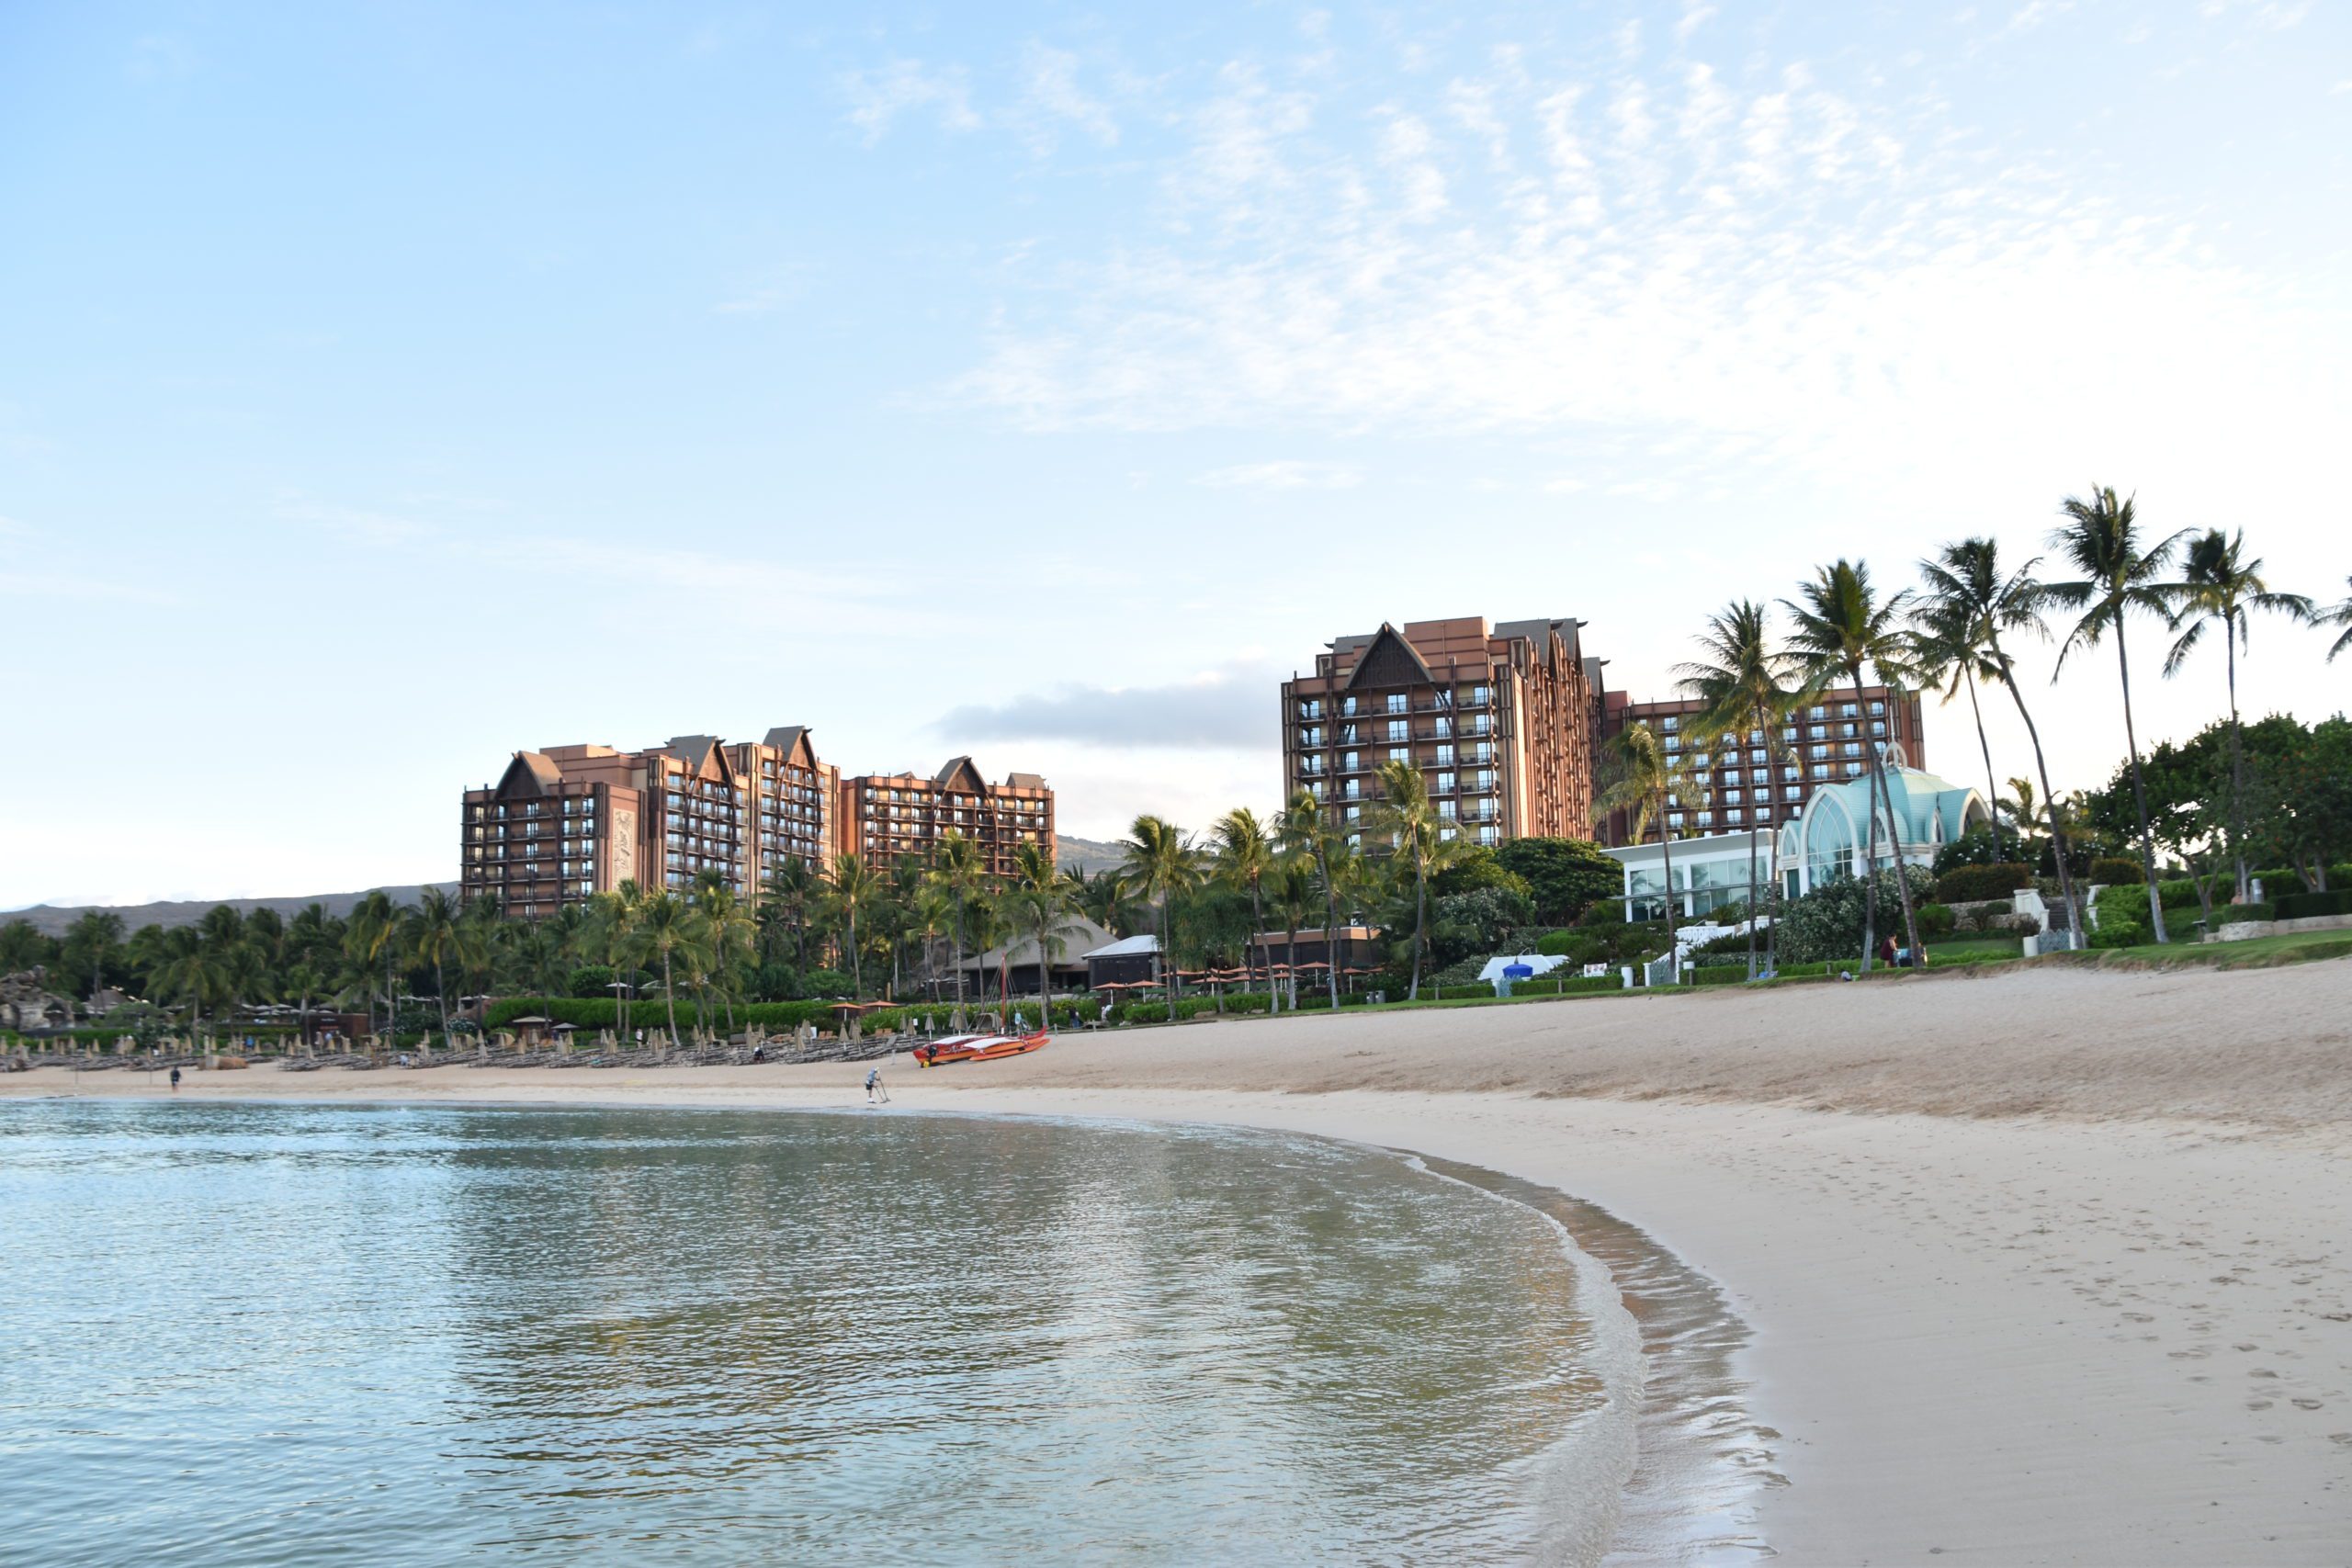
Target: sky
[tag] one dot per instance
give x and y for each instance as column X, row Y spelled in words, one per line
column 385, row 388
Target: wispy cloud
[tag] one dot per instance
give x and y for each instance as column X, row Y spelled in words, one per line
column 1287, row 474
column 878, row 97
column 1225, row 708
column 1051, row 98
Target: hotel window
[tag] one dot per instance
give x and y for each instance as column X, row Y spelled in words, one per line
column 1446, row 783
column 1400, row 730
column 1759, row 775
column 1848, row 710
column 1445, row 809
column 1735, row 816
column 1674, row 743
column 1399, row 702
column 1733, row 796
column 1350, row 761
column 1706, row 819
column 1355, row 814
column 1347, row 707
column 1853, row 770
column 1673, row 819
column 1489, row 835
column 1311, row 708
column 1480, row 694
column 1877, row 708
column 1793, row 792
column 1853, row 748
column 1672, row 721
column 1400, row 753
column 1311, row 736
column 1756, row 756
column 1878, row 726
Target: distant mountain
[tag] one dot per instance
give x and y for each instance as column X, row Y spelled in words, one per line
column 1086, row 855
column 50, row 919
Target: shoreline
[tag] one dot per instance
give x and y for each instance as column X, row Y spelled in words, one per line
column 1999, row 1305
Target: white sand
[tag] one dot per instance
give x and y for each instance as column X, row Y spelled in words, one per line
column 2047, row 1268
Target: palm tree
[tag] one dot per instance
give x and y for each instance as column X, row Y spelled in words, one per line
column 2337, row 615
column 612, row 924
column 373, row 932
column 1969, row 573
column 1292, row 887
column 2101, row 540
column 1842, row 625
column 1306, row 830
column 1245, row 854
column 2222, row 586
column 792, row 888
column 193, row 971
column 1161, row 862
column 431, row 933
column 1041, row 902
column 1643, row 778
column 858, row 887
column 1949, row 655
column 1404, row 817
column 958, row 870
column 727, row 932
column 667, row 930
column 1743, row 682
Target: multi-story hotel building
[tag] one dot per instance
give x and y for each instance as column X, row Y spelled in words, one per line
column 1756, row 780
column 569, row 821
column 1501, row 719
column 884, row 817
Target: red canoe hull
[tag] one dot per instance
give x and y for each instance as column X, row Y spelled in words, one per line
column 978, row 1048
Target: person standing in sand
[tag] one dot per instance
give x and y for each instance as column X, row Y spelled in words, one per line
column 175, row 1081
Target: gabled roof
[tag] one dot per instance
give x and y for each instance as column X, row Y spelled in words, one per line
column 1126, row 947
column 948, row 777
column 1390, row 660
column 694, row 751
column 528, row 776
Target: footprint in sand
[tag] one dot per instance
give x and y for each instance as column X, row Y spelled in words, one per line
column 2307, row 1404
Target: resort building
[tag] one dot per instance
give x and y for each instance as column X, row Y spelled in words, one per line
column 1500, row 719
column 884, row 817
column 566, row 822
column 1827, row 839
column 1761, row 780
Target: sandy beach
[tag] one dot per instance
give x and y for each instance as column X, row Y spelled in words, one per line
column 2040, row 1268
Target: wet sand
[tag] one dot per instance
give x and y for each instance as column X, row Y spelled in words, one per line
column 2052, row 1266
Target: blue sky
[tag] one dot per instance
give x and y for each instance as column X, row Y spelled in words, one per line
column 382, row 388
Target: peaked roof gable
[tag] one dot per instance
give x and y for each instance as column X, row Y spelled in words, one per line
column 530, row 776
column 1390, row 660
column 960, row 773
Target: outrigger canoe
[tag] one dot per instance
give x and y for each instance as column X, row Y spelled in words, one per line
column 977, row 1048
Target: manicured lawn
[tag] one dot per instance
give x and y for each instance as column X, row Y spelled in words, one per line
column 1956, row 949
column 2295, row 947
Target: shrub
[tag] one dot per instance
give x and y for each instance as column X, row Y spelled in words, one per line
column 590, row 981
column 1564, row 876
column 1935, row 920
column 2231, row 914
column 1826, row 923
column 1970, row 884
column 1978, row 846
column 2304, row 906
column 2112, row 870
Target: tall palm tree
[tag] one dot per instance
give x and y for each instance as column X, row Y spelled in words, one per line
column 2221, row 586
column 858, row 887
column 1969, row 574
column 1292, row 888
column 1306, row 830
column 612, row 925
column 1842, row 625
column 959, row 870
column 193, row 971
column 1643, row 777
column 1159, row 863
column 372, row 933
column 1950, row 656
column 2100, row 538
column 431, row 935
column 728, row 934
column 2337, row 615
column 1744, row 683
column 666, row 931
column 1041, row 903
column 1404, row 817
column 1245, row 855
column 791, row 891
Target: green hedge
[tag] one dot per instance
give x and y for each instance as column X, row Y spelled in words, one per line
column 2114, row 870
column 2305, row 906
column 1973, row 883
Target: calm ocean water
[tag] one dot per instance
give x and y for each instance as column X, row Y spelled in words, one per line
column 288, row 1334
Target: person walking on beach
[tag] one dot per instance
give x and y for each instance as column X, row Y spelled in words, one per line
column 175, row 1081
column 874, row 1093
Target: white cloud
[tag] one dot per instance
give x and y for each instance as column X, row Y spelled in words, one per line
column 1284, row 475
column 1050, row 93
column 878, row 97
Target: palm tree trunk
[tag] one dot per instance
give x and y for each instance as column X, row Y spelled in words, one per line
column 441, row 995
column 670, row 996
column 1249, row 954
column 1869, row 877
column 2049, row 800
column 2237, row 773
column 1331, row 928
column 2140, row 794
column 1665, row 867
column 1993, row 791
column 1290, row 956
column 856, row 971
column 1894, row 829
column 1420, row 923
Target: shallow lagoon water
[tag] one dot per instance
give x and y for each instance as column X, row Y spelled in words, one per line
column 286, row 1334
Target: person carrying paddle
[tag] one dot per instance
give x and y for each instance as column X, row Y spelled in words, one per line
column 874, row 1093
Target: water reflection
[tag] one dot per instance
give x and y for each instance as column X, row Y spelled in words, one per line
column 596, row 1336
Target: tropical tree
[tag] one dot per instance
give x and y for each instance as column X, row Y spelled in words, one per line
column 1041, row 903
column 1843, row 625
column 729, row 936
column 191, row 971
column 1950, row 654
column 2220, row 586
column 667, row 930
column 612, row 926
column 430, row 935
column 1969, row 574
column 372, row 935
column 1305, row 830
column 856, row 888
column 2337, row 615
column 1244, row 857
column 1161, row 862
column 1744, row 683
column 959, row 870
column 1292, row 887
column 2100, row 539
column 791, row 893
column 1641, row 779
column 1404, row 817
